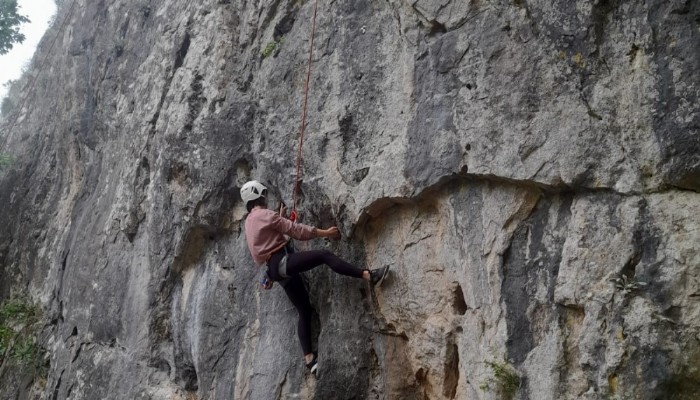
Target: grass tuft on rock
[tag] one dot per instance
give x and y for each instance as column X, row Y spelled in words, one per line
column 505, row 380
column 20, row 321
column 271, row 48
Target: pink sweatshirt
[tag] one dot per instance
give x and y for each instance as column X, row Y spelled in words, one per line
column 265, row 230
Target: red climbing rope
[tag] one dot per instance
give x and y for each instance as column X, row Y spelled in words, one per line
column 293, row 215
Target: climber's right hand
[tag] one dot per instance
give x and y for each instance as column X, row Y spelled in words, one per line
column 332, row 233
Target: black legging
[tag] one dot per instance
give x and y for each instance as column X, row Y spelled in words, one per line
column 294, row 286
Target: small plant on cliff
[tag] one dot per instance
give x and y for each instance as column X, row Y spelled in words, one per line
column 19, row 310
column 19, row 327
column 271, row 48
column 505, row 380
column 6, row 334
column 5, row 160
column 627, row 285
column 25, row 350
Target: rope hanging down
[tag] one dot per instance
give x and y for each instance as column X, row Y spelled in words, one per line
column 293, row 215
column 34, row 76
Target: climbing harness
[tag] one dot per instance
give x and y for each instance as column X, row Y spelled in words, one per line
column 293, row 215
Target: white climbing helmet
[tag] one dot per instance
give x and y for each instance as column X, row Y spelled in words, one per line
column 252, row 190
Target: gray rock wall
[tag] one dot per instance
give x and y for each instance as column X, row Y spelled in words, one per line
column 506, row 158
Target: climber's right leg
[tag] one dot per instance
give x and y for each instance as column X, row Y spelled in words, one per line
column 307, row 260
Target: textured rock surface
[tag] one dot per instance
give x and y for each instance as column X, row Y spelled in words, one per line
column 507, row 158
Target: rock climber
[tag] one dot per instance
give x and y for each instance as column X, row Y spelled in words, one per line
column 265, row 232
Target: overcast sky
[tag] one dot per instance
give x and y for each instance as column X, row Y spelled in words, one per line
column 39, row 12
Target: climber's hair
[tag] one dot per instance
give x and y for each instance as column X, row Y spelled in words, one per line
column 260, row 201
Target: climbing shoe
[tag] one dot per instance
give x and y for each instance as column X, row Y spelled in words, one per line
column 376, row 276
column 313, row 365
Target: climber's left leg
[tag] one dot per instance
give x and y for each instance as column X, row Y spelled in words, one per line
column 295, row 290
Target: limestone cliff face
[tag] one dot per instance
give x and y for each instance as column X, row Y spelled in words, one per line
column 506, row 158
